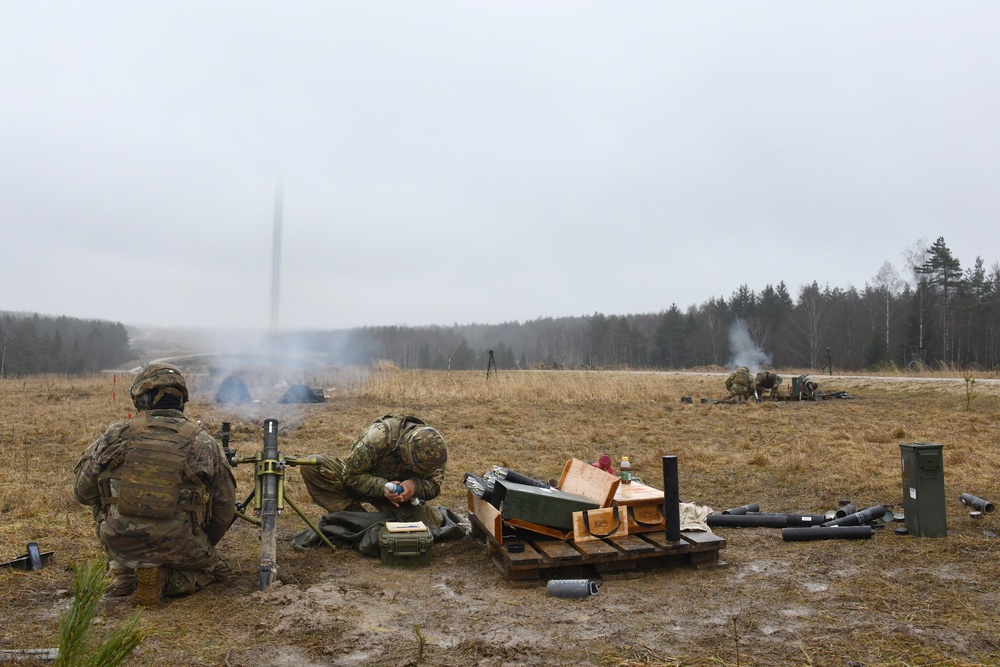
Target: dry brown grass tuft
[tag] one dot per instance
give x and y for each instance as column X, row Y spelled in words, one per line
column 890, row 600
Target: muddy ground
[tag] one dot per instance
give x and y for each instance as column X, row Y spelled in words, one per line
column 890, row 600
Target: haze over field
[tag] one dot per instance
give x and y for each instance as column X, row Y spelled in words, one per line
column 447, row 162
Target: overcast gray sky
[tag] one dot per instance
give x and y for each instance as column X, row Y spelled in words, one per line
column 459, row 162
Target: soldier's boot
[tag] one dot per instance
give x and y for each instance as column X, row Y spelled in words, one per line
column 149, row 584
column 222, row 570
column 124, row 580
column 185, row 582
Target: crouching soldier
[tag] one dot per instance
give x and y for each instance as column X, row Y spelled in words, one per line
column 162, row 493
column 399, row 450
column 769, row 382
column 740, row 385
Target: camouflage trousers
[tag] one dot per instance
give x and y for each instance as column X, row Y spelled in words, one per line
column 178, row 582
column 738, row 391
column 329, row 492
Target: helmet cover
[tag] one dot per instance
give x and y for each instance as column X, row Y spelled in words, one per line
column 159, row 378
column 423, row 450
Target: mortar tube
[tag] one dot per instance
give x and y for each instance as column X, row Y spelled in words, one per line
column 826, row 533
column 974, row 502
column 269, row 482
column 866, row 515
column 742, row 509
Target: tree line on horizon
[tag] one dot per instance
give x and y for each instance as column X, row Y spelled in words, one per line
column 939, row 315
column 32, row 344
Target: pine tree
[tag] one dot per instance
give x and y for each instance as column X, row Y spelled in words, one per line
column 943, row 272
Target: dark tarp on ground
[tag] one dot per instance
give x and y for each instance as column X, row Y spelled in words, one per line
column 300, row 393
column 359, row 530
column 232, row 390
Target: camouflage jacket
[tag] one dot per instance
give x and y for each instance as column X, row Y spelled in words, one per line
column 374, row 460
column 767, row 380
column 739, row 381
column 206, row 502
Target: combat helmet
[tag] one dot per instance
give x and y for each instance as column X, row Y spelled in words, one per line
column 155, row 381
column 423, row 450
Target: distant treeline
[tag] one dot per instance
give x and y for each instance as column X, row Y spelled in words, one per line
column 32, row 344
column 941, row 315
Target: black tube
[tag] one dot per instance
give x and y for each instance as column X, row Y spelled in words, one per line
column 766, row 519
column 226, row 435
column 671, row 499
column 827, row 533
column 795, row 519
column 972, row 501
column 805, row 519
column 844, row 510
column 518, row 478
column 748, row 520
column 866, row 515
column 742, row 509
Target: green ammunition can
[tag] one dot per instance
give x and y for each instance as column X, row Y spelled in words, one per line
column 923, row 489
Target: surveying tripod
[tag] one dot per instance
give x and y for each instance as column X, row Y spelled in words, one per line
column 268, row 495
column 491, row 364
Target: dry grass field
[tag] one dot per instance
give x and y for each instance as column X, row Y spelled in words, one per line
column 891, row 600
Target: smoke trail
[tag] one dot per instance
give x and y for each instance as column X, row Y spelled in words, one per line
column 743, row 351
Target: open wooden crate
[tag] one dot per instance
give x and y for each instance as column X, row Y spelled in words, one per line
column 528, row 553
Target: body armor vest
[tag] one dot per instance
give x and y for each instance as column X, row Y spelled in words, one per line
column 152, row 473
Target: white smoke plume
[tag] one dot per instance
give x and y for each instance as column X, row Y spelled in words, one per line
column 743, row 351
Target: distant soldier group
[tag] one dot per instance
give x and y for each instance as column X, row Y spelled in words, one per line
column 741, row 386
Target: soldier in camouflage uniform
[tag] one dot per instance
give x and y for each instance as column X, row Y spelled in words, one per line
column 394, row 448
column 740, row 385
column 162, row 493
column 769, row 381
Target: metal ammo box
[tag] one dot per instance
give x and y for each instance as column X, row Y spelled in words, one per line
column 546, row 507
column 803, row 388
column 410, row 547
column 923, row 489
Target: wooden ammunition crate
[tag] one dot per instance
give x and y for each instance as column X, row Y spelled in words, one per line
column 643, row 506
column 539, row 557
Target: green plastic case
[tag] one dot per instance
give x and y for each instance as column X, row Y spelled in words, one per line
column 405, row 549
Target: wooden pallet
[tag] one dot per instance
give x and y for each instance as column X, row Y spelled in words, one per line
column 546, row 557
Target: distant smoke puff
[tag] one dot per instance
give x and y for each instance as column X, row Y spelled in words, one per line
column 743, row 351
